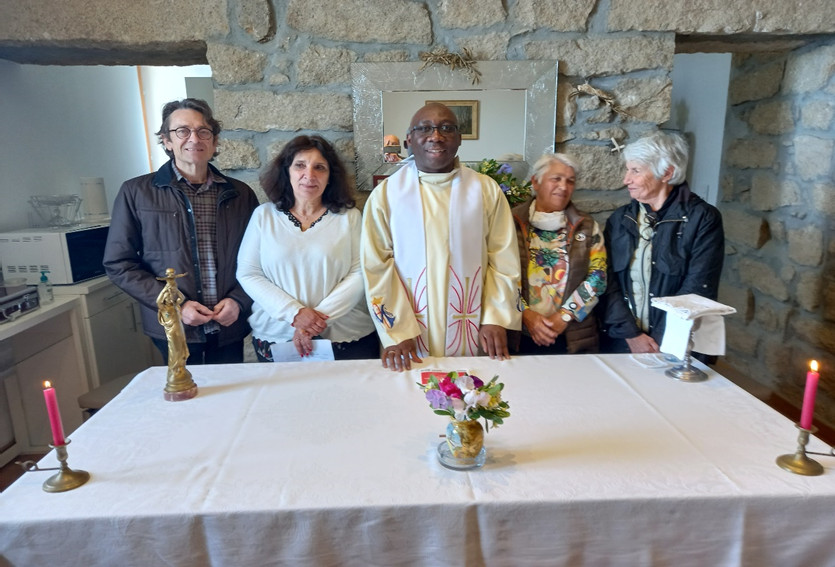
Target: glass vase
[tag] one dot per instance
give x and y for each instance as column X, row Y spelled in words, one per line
column 464, row 445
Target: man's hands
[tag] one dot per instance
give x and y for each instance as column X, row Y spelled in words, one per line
column 400, row 356
column 225, row 312
column 642, row 343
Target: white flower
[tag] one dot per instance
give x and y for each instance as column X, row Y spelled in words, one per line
column 474, row 398
column 465, row 383
column 460, row 408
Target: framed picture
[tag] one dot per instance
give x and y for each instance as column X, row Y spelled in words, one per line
column 467, row 113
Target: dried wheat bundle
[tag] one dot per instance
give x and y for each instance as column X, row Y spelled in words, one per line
column 442, row 56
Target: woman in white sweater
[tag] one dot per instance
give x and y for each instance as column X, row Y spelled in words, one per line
column 299, row 259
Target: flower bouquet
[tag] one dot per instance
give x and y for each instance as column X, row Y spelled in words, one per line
column 514, row 191
column 465, row 399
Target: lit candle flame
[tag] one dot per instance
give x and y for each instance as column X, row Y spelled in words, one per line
column 814, row 365
column 47, row 384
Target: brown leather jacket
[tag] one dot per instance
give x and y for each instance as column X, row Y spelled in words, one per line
column 152, row 229
column 581, row 336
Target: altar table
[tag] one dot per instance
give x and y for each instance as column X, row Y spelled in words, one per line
column 602, row 462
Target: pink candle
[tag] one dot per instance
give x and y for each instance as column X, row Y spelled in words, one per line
column 54, row 414
column 809, row 396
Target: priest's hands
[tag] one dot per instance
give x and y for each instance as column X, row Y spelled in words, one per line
column 400, row 356
column 642, row 343
column 493, row 339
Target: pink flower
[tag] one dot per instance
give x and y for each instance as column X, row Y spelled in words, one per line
column 449, row 388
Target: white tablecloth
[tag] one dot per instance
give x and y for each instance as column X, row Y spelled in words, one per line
column 602, row 462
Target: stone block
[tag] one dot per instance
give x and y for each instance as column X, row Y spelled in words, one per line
column 817, row 114
column 365, row 21
column 257, row 19
column 233, row 65
column 722, row 17
column 599, row 168
column 566, row 104
column 760, row 276
column 806, row 245
column 747, row 153
column 237, row 154
column 772, row 117
column 388, row 56
column 829, row 299
column 251, row 178
column 590, row 57
column 619, row 134
column 740, row 298
column 777, row 357
column 489, row 47
column 772, row 317
column 763, row 82
column 569, row 15
column 812, row 70
column 740, row 339
column 602, row 203
column 114, row 23
column 808, row 290
column 823, row 198
column 457, row 15
column 320, row 65
column 744, row 228
column 261, row 111
column 817, row 333
column 813, row 157
column 769, row 193
column 646, row 100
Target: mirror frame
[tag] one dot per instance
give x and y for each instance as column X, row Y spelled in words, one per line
column 537, row 78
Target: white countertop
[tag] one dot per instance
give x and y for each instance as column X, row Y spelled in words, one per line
column 43, row 313
column 81, row 288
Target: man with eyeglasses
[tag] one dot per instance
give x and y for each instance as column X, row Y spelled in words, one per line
column 189, row 217
column 439, row 253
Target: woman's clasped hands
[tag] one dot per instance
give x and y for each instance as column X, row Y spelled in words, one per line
column 308, row 323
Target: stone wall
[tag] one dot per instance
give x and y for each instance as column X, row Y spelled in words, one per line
column 282, row 67
column 779, row 212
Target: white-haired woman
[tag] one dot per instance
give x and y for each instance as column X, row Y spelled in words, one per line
column 563, row 261
column 666, row 241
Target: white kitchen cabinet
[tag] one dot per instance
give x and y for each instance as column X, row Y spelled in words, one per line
column 41, row 345
column 112, row 334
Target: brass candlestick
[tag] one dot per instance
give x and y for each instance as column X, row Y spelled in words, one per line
column 799, row 462
column 65, row 479
column 179, row 385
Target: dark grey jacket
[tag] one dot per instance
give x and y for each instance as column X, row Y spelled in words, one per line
column 152, row 228
column 688, row 248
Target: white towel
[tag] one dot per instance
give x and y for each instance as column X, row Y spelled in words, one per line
column 691, row 312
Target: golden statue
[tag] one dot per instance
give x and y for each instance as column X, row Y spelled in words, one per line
column 179, row 385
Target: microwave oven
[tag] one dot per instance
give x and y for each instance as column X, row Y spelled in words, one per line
column 70, row 254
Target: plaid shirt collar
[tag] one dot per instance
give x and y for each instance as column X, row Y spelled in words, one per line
column 211, row 179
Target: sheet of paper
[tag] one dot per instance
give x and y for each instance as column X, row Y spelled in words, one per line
column 676, row 336
column 286, row 352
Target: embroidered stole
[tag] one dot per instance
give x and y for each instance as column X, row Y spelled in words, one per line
column 466, row 238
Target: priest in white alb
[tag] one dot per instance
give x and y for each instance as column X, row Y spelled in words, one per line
column 439, row 253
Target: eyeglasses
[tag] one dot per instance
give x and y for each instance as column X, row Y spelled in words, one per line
column 427, row 129
column 184, row 133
